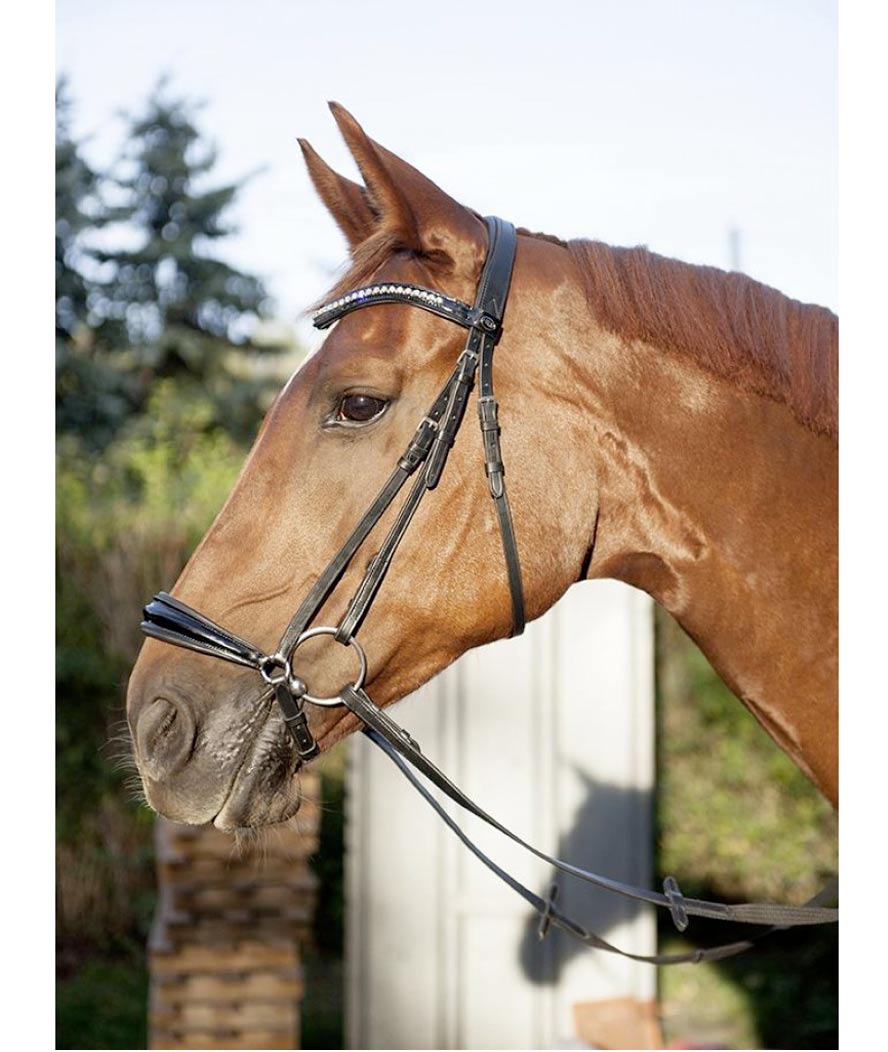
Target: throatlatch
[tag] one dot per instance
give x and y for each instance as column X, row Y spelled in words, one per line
column 172, row 621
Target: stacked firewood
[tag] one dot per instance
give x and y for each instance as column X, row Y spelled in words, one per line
column 225, row 948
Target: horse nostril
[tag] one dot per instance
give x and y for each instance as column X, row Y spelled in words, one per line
column 165, row 733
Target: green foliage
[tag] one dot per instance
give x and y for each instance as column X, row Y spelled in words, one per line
column 184, row 312
column 87, row 1017
column 76, row 186
column 167, row 474
column 77, row 210
column 92, row 396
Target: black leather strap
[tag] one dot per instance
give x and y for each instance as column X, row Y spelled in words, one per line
column 455, row 411
column 380, row 563
column 492, row 299
column 496, row 277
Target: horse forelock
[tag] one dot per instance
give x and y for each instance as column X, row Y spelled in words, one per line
column 366, row 259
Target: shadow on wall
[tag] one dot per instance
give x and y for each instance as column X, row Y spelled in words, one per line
column 613, row 815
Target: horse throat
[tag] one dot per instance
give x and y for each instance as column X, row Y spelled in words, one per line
column 723, row 507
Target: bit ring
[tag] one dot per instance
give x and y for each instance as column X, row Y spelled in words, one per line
column 325, row 630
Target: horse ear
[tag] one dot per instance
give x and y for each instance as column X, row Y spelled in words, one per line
column 423, row 217
column 347, row 202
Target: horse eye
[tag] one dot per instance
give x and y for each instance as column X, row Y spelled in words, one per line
column 360, row 408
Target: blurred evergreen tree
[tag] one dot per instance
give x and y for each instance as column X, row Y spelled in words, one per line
column 182, row 311
column 76, row 199
column 92, row 396
column 141, row 295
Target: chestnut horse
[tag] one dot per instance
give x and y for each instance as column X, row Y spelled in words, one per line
column 668, row 425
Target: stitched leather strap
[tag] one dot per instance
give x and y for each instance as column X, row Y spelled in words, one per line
column 380, row 563
column 492, row 299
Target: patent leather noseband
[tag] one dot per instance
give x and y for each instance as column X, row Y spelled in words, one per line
column 168, row 619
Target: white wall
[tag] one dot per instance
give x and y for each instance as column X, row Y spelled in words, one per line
column 553, row 734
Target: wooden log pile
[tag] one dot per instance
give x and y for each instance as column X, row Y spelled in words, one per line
column 225, row 947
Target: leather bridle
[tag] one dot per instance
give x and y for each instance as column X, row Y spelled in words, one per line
column 171, row 620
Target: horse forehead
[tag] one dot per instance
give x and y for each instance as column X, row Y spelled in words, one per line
column 379, row 331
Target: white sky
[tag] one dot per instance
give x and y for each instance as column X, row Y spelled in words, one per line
column 644, row 122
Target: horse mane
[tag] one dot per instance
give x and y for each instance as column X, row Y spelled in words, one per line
column 731, row 325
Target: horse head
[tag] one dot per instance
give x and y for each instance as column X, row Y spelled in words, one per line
column 209, row 743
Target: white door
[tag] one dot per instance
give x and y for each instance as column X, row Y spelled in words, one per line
column 553, row 734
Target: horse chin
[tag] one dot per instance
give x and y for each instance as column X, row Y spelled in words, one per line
column 253, row 802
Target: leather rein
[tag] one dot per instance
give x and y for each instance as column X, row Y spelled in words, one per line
column 169, row 619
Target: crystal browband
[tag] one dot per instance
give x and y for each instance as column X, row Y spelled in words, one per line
column 398, row 292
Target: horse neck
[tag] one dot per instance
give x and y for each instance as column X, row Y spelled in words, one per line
column 721, row 506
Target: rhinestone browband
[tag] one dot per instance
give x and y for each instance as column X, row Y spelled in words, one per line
column 396, row 292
